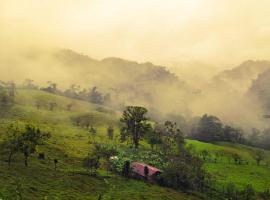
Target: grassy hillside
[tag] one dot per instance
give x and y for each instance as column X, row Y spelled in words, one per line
column 226, row 171
column 69, row 144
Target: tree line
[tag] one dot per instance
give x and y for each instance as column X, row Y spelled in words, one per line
column 211, row 129
column 92, row 94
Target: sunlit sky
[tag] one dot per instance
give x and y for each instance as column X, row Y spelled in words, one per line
column 218, row 32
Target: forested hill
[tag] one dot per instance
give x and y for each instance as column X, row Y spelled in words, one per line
column 127, row 82
column 73, row 59
column 130, row 82
column 241, row 76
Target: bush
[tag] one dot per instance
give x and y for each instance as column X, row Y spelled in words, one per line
column 184, row 173
column 91, row 164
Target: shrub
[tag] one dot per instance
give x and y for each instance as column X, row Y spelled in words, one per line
column 91, row 164
column 185, row 173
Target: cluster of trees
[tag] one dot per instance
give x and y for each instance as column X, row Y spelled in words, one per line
column 23, row 140
column 74, row 91
column 136, row 126
column 166, row 137
column 211, row 129
column 92, row 94
column 260, row 138
column 183, row 170
column 7, row 93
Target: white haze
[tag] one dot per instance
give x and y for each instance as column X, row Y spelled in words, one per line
column 196, row 39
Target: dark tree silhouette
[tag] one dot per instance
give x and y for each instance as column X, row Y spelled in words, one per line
column 134, row 124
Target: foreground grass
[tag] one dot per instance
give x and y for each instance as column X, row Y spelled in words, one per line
column 69, row 144
column 42, row 182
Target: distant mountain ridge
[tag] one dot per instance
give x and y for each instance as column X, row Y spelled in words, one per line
column 152, row 86
column 137, row 83
column 247, row 69
column 260, row 90
column 254, row 78
column 70, row 58
column 241, row 76
column 127, row 82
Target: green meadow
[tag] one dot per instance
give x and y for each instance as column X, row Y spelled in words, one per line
column 70, row 144
column 225, row 171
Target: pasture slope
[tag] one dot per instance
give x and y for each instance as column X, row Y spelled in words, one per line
column 70, row 144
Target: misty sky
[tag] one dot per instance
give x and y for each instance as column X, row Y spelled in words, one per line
column 218, row 32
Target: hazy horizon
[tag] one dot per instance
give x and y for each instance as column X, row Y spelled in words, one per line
column 195, row 39
column 175, row 33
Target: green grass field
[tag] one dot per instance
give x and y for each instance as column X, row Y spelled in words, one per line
column 225, row 171
column 69, row 144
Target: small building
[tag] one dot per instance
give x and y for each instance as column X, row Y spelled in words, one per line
column 138, row 170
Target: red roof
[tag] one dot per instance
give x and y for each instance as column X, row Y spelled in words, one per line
column 139, row 168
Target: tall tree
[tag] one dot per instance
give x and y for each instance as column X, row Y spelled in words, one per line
column 134, row 123
column 171, row 137
column 30, row 139
column 259, row 156
column 154, row 137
